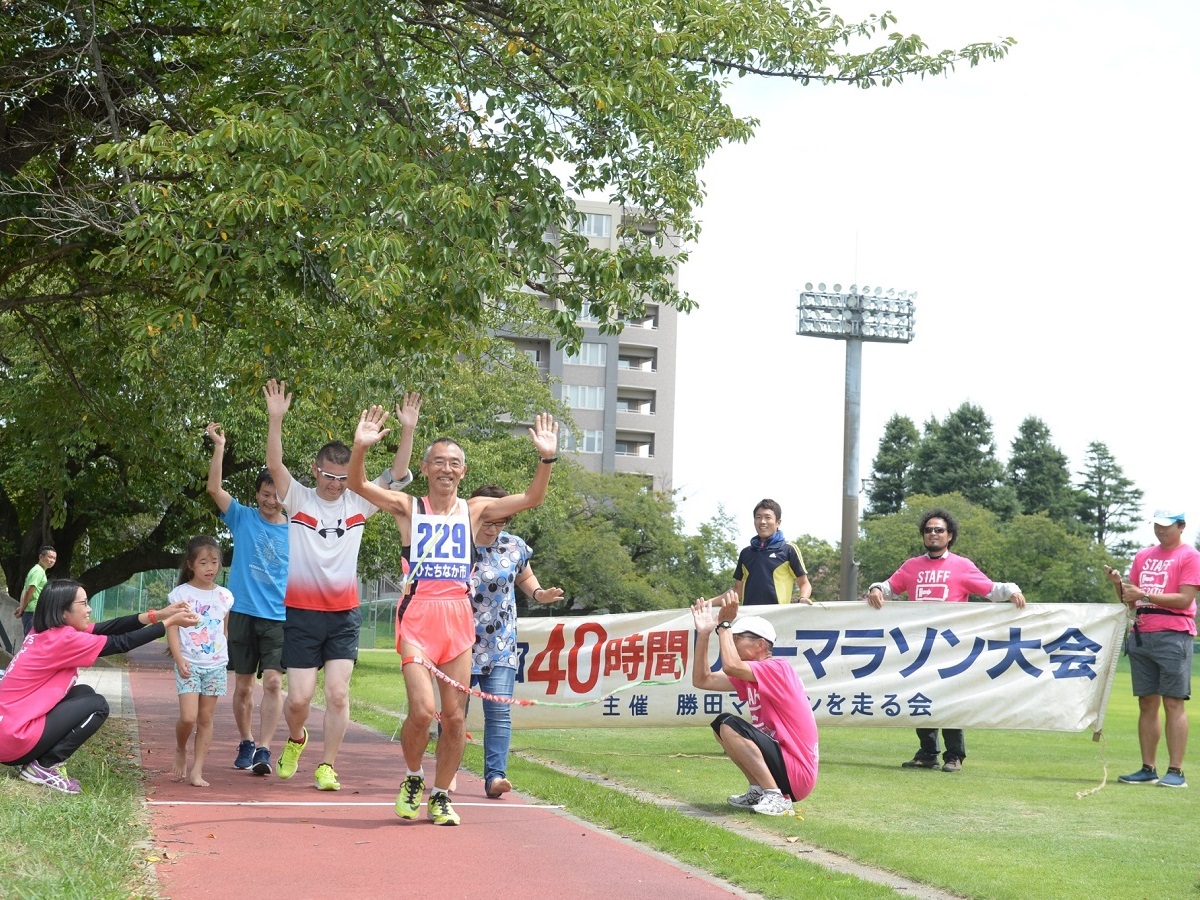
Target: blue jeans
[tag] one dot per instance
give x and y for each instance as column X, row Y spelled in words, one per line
column 497, row 721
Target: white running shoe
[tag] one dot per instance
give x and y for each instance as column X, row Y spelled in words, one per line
column 774, row 804
column 746, row 800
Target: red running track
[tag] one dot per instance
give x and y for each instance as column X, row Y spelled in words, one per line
column 260, row 837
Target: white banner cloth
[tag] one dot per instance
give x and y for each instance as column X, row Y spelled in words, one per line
column 1049, row 666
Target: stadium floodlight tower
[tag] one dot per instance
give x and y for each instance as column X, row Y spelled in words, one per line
column 854, row 315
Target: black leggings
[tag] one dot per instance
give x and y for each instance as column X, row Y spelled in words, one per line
column 72, row 721
column 769, row 747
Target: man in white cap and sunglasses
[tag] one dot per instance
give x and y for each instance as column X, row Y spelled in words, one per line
column 1162, row 593
column 777, row 750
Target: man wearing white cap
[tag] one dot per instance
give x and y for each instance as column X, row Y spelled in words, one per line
column 1162, row 592
column 777, row 749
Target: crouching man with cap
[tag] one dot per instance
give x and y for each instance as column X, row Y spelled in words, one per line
column 777, row 749
column 1162, row 593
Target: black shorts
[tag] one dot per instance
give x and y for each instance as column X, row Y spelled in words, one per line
column 768, row 746
column 255, row 644
column 311, row 637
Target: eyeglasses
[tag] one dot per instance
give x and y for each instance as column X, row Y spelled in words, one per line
column 934, row 529
column 500, row 524
column 331, row 476
column 441, row 462
column 81, row 603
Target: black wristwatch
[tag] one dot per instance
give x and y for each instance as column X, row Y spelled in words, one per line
column 724, row 625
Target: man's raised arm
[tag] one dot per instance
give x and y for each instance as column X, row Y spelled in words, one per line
column 706, row 621
column 278, row 402
column 544, row 435
column 215, row 489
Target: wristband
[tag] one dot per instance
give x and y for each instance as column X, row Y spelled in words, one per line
column 535, row 592
column 550, row 460
column 153, row 616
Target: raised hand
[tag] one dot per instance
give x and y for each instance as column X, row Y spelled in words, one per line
column 278, row 400
column 370, row 430
column 729, row 606
column 544, row 435
column 216, row 435
column 703, row 617
column 408, row 412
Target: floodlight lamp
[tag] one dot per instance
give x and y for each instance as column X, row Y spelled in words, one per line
column 821, row 287
column 837, row 288
column 808, row 285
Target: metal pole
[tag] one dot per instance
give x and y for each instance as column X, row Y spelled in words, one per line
column 850, row 480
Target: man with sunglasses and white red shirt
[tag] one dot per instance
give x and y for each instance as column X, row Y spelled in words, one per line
column 940, row 575
column 320, row 631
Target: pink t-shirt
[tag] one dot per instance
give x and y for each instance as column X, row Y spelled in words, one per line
column 39, row 676
column 949, row 577
column 779, row 707
column 1159, row 571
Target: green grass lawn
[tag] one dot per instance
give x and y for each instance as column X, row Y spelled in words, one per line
column 85, row 846
column 1009, row 826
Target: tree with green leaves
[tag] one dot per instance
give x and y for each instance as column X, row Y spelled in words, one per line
column 958, row 454
column 891, row 471
column 822, row 563
column 614, row 544
column 1052, row 563
column 196, row 197
column 1110, row 500
column 1038, row 471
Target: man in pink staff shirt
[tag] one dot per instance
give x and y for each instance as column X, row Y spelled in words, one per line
column 1162, row 592
column 940, row 575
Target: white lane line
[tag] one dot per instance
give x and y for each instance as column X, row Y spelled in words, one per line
column 325, row 803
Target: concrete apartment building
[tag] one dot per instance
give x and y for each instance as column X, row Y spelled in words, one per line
column 620, row 388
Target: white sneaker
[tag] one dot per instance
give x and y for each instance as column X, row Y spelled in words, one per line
column 774, row 804
column 746, row 800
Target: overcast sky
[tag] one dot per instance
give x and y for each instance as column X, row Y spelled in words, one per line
column 1044, row 207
